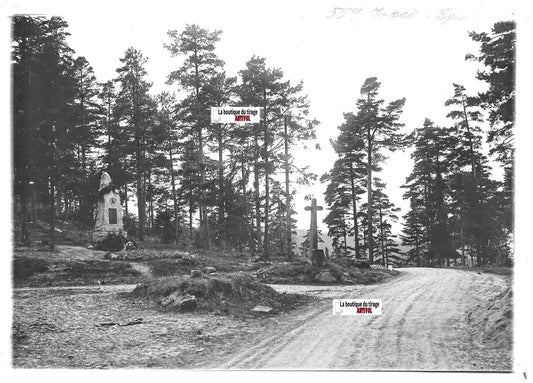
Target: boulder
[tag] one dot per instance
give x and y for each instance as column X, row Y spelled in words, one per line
column 183, row 302
column 130, row 245
column 345, row 278
column 196, row 273
column 209, row 270
column 325, row 277
column 111, row 256
column 261, row 309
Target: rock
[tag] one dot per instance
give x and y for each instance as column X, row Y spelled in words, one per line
column 361, row 264
column 183, row 302
column 345, row 278
column 188, row 303
column 209, row 270
column 111, row 256
column 183, row 254
column 196, row 273
column 261, row 309
column 325, row 277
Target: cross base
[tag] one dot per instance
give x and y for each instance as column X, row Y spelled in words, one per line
column 318, row 258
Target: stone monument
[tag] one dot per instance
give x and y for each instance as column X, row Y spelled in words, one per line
column 318, row 257
column 108, row 212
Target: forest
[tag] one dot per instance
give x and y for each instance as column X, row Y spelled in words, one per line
column 232, row 186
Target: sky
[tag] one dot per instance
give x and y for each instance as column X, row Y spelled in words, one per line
column 416, row 50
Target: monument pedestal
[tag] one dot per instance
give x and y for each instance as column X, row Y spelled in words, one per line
column 108, row 217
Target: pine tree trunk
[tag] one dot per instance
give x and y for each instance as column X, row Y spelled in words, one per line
column 417, row 253
column 245, row 204
column 33, row 205
column 221, row 209
column 369, row 187
column 126, row 199
column 203, row 209
column 140, row 194
column 287, row 194
column 344, row 235
column 381, row 233
column 52, row 232
column 256, row 192
column 150, row 202
column 354, row 207
column 191, row 236
column 462, row 241
column 24, row 234
column 266, row 250
column 174, row 197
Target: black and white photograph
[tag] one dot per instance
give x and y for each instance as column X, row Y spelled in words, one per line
column 264, row 186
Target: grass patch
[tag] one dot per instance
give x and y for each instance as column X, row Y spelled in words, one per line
column 25, row 267
column 101, row 270
column 499, row 270
column 231, row 294
column 29, row 271
column 154, row 254
column 303, row 273
column 168, row 267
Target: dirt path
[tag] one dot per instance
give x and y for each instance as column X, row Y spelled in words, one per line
column 423, row 327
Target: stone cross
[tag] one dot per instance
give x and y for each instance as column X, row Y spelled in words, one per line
column 314, row 234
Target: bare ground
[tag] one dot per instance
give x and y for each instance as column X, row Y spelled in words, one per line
column 423, row 327
column 71, row 327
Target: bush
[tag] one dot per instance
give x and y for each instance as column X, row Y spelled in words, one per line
column 111, row 243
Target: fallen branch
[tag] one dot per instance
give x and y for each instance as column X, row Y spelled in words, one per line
column 131, row 323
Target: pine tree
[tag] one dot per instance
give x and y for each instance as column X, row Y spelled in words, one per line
column 134, row 110
column 375, row 126
column 169, row 131
column 427, row 222
column 338, row 197
column 349, row 146
column 221, row 89
column 87, row 129
column 498, row 54
column 43, row 95
column 195, row 76
column 387, row 213
column 413, row 233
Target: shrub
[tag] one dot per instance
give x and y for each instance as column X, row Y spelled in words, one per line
column 111, row 243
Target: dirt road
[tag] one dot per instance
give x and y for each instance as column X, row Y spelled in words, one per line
column 423, row 327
